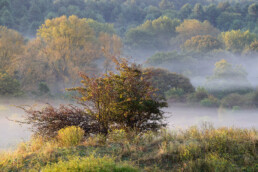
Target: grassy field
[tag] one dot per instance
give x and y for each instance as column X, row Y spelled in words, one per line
column 195, row 149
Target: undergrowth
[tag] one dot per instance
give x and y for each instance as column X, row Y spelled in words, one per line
column 195, row 149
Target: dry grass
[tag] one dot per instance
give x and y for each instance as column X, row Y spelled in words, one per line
column 195, row 149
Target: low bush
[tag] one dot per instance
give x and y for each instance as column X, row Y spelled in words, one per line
column 164, row 80
column 198, row 95
column 211, row 101
column 90, row 164
column 175, row 94
column 70, row 136
column 9, row 86
column 117, row 136
column 49, row 120
column 233, row 100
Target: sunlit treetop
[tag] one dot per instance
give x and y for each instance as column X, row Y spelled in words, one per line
column 76, row 30
column 236, row 40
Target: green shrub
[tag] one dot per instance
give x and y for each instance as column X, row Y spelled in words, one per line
column 210, row 102
column 90, row 164
column 70, row 136
column 117, row 136
column 9, row 86
column 164, row 80
column 198, row 95
column 212, row 162
column 255, row 98
column 175, row 93
column 237, row 100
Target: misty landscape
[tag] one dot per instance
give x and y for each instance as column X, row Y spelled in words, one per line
column 129, row 85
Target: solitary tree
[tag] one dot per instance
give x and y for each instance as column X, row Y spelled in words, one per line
column 125, row 99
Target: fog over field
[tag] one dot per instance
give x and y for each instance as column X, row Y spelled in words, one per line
column 179, row 116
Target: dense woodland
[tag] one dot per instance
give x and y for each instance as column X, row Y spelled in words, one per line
column 26, row 16
column 46, row 44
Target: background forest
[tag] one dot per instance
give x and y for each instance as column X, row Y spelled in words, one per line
column 44, row 44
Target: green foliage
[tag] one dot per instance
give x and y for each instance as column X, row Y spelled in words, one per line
column 173, row 61
column 185, row 11
column 9, row 86
column 117, row 136
column 253, row 10
column 101, row 27
column 152, row 34
column 234, row 100
column 175, row 93
column 43, row 89
column 224, row 21
column 70, row 136
column 27, row 16
column 89, row 164
column 170, row 58
column 255, row 98
column 211, row 101
column 163, row 80
column 198, row 12
column 200, row 94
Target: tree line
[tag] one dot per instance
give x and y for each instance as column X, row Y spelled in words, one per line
column 26, row 16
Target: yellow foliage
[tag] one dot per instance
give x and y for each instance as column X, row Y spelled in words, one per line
column 70, row 136
column 11, row 45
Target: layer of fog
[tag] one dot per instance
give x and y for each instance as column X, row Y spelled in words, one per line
column 184, row 116
column 178, row 117
column 202, row 66
column 13, row 133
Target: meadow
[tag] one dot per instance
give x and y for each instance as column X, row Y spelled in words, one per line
column 201, row 148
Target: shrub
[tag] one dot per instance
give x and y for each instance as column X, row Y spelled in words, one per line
column 175, row 93
column 9, row 86
column 255, row 98
column 49, row 120
column 164, row 80
column 235, row 100
column 125, row 99
column 117, row 136
column 43, row 88
column 211, row 101
column 173, row 61
column 198, row 95
column 70, row 136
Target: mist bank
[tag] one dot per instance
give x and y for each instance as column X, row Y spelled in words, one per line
column 179, row 116
column 182, row 116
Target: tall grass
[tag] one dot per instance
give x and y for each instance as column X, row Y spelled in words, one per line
column 195, row 149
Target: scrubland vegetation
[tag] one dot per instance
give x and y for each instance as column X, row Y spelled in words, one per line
column 120, row 63
column 195, row 149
